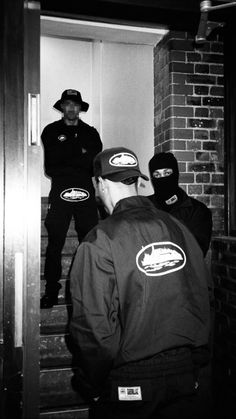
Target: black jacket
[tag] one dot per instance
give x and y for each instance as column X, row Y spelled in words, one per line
column 69, row 150
column 139, row 286
column 193, row 213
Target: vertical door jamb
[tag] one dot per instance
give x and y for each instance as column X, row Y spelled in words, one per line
column 31, row 331
column 20, row 230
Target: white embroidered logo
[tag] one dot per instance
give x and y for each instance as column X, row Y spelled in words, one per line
column 62, row 138
column 74, row 195
column 129, row 393
column 123, row 160
column 160, row 258
column 72, row 92
column 172, row 200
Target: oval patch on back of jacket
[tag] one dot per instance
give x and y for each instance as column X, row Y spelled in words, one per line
column 74, row 195
column 160, row 258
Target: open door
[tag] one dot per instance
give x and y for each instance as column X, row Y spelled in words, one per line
column 20, row 209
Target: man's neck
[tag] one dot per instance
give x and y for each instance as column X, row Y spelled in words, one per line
column 73, row 122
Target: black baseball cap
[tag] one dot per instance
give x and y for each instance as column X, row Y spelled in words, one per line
column 117, row 164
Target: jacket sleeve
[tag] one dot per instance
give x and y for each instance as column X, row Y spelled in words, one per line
column 201, row 227
column 55, row 162
column 95, row 323
column 58, row 163
column 90, row 149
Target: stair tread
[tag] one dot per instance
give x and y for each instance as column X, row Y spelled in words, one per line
column 55, row 368
column 75, row 412
column 62, row 409
column 52, row 334
column 59, row 305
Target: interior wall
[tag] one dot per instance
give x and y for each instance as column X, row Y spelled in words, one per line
column 128, row 100
column 115, row 79
column 64, row 64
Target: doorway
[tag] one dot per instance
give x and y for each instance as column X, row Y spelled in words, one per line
column 112, row 67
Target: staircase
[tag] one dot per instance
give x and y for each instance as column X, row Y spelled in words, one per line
column 57, row 398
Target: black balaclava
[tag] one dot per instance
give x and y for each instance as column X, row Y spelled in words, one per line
column 164, row 187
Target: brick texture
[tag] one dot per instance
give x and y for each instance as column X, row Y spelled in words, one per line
column 224, row 276
column 189, row 114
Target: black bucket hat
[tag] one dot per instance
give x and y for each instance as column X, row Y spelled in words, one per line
column 71, row 94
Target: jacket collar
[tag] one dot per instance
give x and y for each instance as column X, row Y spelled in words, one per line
column 132, row 202
column 183, row 200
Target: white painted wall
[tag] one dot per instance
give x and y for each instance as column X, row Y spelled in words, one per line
column 115, row 79
column 128, row 101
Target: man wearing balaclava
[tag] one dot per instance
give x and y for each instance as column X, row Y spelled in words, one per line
column 168, row 196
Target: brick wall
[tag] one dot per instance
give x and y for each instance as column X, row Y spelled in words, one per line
column 188, row 112
column 224, row 274
column 188, row 115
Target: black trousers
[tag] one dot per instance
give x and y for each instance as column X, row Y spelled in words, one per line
column 57, row 223
column 165, row 387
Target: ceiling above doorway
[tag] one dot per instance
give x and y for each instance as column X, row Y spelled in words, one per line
column 98, row 31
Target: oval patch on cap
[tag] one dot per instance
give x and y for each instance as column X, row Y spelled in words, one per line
column 123, row 160
column 160, row 258
column 74, row 195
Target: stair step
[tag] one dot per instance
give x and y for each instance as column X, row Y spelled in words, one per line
column 72, row 413
column 66, row 262
column 55, row 319
column 71, row 230
column 70, row 246
column 44, row 207
column 64, row 292
column 55, row 350
column 56, row 389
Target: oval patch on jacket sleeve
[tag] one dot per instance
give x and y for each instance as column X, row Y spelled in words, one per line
column 160, row 258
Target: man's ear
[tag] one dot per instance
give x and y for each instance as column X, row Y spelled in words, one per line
column 102, row 183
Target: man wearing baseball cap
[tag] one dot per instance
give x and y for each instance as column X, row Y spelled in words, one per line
column 140, row 318
column 70, row 146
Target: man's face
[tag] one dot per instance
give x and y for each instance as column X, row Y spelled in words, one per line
column 70, row 110
column 159, row 173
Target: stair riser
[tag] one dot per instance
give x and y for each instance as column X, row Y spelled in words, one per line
column 66, row 262
column 44, row 208
column 56, row 389
column 71, row 231
column 64, row 292
column 55, row 351
column 58, row 315
column 69, row 247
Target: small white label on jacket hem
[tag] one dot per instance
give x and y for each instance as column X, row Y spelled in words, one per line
column 129, row 393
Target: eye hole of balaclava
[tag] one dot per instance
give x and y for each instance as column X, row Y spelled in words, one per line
column 164, row 174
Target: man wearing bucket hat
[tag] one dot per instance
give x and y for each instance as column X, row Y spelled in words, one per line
column 140, row 318
column 70, row 146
